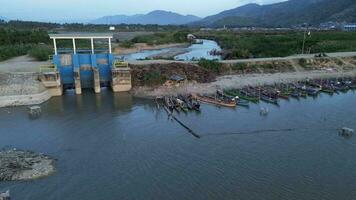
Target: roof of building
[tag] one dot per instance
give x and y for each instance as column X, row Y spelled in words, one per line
column 177, row 77
column 80, row 35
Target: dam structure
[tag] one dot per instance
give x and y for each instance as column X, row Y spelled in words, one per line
column 88, row 68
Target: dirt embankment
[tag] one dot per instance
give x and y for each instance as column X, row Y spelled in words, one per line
column 156, row 74
column 236, row 75
column 18, row 89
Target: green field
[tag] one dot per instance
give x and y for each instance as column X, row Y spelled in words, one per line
column 257, row 45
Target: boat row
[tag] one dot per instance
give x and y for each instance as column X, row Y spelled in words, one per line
column 271, row 94
column 180, row 103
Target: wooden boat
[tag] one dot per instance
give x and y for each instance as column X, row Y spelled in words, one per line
column 215, row 101
column 295, row 94
column 182, row 105
column 268, row 99
column 244, row 95
column 238, row 101
column 242, row 102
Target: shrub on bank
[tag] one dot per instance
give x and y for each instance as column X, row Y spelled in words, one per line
column 40, row 53
column 127, row 44
column 211, row 65
column 10, row 51
column 153, row 78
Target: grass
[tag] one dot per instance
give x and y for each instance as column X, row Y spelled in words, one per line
column 41, row 52
column 211, row 65
column 153, row 78
column 10, row 51
column 257, row 45
column 162, row 38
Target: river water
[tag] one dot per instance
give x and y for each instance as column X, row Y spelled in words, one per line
column 114, row 146
column 195, row 51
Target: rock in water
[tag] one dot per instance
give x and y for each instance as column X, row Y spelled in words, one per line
column 5, row 195
column 24, row 165
column 346, row 132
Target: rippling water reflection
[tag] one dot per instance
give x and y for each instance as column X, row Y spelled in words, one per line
column 114, row 146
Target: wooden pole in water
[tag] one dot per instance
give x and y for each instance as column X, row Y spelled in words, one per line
column 170, row 114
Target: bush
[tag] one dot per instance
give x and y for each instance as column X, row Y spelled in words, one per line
column 40, row 53
column 211, row 65
column 126, row 44
column 153, row 78
column 302, row 62
column 239, row 66
column 7, row 51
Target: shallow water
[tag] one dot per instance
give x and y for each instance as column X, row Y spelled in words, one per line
column 196, row 51
column 112, row 146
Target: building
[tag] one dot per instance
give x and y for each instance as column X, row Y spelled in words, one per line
column 349, row 27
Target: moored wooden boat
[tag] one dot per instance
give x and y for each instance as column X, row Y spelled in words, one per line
column 215, row 101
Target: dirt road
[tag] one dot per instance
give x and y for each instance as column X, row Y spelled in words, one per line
column 21, row 64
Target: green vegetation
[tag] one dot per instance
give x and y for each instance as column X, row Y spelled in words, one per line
column 153, row 78
column 239, row 66
column 10, row 51
column 15, row 42
column 257, row 45
column 162, row 38
column 127, row 44
column 211, row 65
column 41, row 53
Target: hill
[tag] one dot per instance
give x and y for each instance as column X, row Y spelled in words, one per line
column 159, row 17
column 285, row 14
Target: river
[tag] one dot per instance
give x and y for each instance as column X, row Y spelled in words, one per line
column 194, row 51
column 113, row 146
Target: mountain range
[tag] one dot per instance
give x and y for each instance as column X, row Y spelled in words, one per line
column 284, row 14
column 159, row 17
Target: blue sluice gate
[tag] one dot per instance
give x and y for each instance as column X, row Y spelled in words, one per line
column 85, row 64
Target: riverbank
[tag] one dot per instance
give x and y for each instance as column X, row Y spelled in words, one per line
column 24, row 165
column 238, row 81
column 148, row 77
column 18, row 89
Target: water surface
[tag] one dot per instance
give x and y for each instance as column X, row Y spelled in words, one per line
column 195, row 51
column 112, row 146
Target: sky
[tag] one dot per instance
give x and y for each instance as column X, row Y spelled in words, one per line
column 84, row 10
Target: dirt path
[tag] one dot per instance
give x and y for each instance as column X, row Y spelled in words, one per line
column 21, row 64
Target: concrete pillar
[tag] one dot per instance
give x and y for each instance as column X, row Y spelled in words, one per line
column 92, row 45
column 96, row 80
column 77, row 83
column 121, row 79
column 74, row 47
column 110, row 50
column 55, row 46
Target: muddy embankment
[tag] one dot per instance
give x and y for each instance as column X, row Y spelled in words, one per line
column 18, row 89
column 149, row 79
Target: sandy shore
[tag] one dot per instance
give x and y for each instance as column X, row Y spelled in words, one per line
column 238, row 81
column 138, row 47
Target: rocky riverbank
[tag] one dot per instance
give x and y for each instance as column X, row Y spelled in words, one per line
column 17, row 89
column 24, row 165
